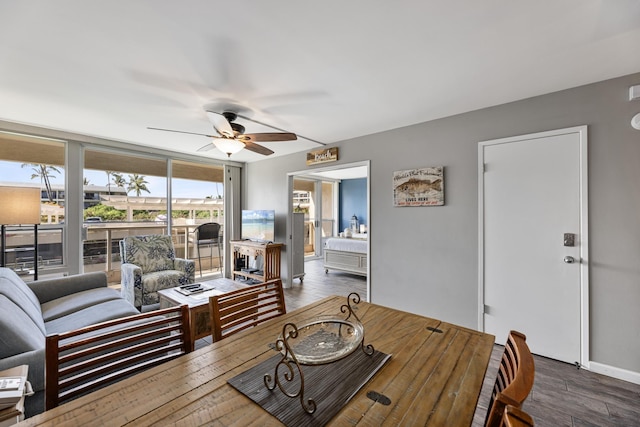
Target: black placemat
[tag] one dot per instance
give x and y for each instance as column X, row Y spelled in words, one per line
column 330, row 385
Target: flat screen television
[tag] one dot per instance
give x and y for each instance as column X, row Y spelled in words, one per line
column 258, row 225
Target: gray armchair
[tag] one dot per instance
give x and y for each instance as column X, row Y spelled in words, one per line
column 149, row 265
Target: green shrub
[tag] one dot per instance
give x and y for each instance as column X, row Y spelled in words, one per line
column 107, row 213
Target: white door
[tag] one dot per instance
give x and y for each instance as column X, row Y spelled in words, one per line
column 533, row 278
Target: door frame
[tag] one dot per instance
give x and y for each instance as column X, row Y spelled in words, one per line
column 584, row 228
column 310, row 172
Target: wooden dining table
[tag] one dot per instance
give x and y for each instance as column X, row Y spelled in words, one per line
column 433, row 377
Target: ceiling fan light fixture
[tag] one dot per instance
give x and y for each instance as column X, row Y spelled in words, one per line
column 230, row 138
column 228, row 145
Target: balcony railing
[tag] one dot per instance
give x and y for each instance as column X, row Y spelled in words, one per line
column 20, row 251
column 101, row 249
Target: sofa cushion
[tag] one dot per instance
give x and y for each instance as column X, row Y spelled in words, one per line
column 18, row 333
column 91, row 315
column 71, row 303
column 49, row 289
column 14, row 289
column 150, row 253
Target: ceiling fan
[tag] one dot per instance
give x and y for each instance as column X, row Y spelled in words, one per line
column 231, row 137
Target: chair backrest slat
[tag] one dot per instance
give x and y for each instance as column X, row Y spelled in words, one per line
column 104, row 359
column 514, row 380
column 103, row 369
column 115, row 342
column 235, row 311
column 80, row 361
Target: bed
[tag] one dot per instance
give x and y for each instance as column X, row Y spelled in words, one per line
column 346, row 254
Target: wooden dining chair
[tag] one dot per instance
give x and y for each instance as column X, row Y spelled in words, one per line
column 514, row 380
column 235, row 311
column 516, row 417
column 84, row 360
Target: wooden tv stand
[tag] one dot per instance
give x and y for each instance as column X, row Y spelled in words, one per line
column 244, row 250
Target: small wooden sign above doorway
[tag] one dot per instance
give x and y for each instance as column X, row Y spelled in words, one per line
column 322, row 156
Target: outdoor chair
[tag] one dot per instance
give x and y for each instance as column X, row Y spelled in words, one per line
column 208, row 234
column 148, row 265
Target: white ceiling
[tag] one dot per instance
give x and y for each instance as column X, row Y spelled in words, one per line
column 328, row 70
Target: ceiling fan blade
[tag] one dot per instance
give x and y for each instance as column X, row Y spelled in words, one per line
column 257, row 148
column 277, row 128
column 220, row 123
column 210, row 146
column 271, row 137
column 182, row 131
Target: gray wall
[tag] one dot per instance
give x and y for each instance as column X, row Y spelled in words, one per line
column 425, row 260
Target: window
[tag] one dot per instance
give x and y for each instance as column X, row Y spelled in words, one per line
column 124, row 195
column 28, row 161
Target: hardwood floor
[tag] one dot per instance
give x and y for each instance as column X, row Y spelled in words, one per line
column 562, row 394
column 317, row 284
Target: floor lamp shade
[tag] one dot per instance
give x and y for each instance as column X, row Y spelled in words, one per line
column 19, row 205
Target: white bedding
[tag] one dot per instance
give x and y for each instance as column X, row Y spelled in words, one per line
column 346, row 244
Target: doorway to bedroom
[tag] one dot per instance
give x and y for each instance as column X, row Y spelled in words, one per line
column 329, row 208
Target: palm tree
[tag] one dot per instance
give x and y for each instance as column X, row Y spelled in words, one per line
column 109, row 173
column 138, row 184
column 118, row 180
column 44, row 172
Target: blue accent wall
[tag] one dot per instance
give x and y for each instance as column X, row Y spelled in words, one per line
column 353, row 201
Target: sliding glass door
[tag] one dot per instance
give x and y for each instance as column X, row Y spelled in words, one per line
column 316, row 199
column 197, row 197
column 89, row 196
column 124, row 195
column 128, row 194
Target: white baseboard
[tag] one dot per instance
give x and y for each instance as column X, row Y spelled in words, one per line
column 612, row 371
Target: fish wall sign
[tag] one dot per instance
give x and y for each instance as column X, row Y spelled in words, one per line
column 419, row 187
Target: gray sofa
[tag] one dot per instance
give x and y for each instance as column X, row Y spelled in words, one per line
column 31, row 311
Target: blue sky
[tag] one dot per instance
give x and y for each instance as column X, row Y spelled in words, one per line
column 13, row 172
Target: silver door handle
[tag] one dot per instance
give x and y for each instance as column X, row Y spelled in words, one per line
column 569, row 259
